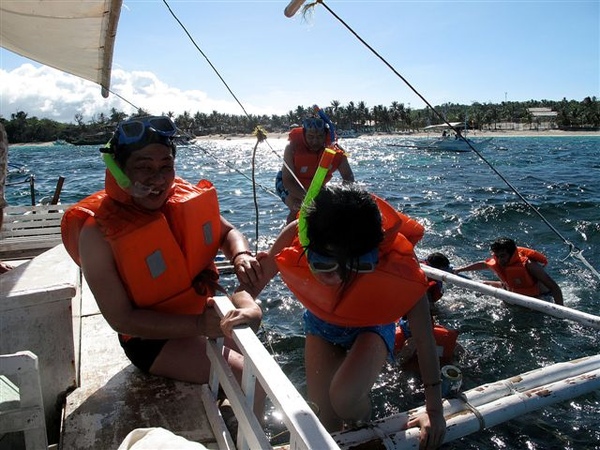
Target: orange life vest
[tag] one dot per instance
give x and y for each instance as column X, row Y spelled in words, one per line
column 306, row 161
column 515, row 274
column 445, row 341
column 379, row 297
column 165, row 257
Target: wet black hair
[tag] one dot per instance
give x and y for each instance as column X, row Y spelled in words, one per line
column 344, row 222
column 504, row 243
column 438, row 260
column 123, row 152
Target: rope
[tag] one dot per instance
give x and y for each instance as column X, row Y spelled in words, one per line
column 574, row 251
column 229, row 165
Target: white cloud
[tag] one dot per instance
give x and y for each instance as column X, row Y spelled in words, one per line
column 44, row 92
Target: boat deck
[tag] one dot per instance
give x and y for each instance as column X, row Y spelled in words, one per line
column 114, row 397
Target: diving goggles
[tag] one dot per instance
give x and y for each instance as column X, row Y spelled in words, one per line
column 323, row 264
column 313, row 123
column 134, row 130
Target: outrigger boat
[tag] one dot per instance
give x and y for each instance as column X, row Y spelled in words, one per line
column 65, row 384
column 452, row 142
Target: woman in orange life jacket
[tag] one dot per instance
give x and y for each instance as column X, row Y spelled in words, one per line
column 520, row 270
column 356, row 274
column 302, row 156
column 160, row 307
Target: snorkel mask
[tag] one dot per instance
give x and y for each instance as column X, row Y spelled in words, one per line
column 132, row 135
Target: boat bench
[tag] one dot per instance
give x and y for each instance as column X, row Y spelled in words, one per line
column 28, row 231
column 21, row 404
column 39, row 303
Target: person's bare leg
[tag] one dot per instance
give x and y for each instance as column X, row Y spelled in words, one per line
column 185, row 360
column 322, row 359
column 352, row 383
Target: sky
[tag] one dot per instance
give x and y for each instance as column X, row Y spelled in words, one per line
column 449, row 51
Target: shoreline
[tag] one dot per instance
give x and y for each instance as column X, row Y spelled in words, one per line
column 473, row 134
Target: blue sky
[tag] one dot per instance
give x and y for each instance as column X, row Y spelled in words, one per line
column 450, row 51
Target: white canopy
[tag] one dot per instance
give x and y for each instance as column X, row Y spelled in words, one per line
column 440, row 126
column 76, row 37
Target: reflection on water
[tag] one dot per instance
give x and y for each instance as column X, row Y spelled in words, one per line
column 464, row 205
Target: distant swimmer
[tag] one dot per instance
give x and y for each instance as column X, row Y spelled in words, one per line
column 521, row 270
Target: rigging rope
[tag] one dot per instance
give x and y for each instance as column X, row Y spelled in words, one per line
column 258, row 131
column 574, row 251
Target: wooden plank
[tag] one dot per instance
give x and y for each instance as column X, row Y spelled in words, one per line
column 115, row 397
column 27, row 231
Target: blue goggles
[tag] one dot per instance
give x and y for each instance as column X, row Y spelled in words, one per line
column 134, row 130
column 323, row 264
column 313, row 123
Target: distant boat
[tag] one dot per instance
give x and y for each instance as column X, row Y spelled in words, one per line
column 92, row 139
column 347, row 134
column 450, row 141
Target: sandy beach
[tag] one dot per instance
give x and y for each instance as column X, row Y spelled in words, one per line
column 471, row 134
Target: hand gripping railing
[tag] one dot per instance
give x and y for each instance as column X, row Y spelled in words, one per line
column 306, row 432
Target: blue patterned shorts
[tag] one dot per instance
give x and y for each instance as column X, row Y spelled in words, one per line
column 345, row 336
column 281, row 190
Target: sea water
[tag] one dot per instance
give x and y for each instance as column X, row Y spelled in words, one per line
column 544, row 192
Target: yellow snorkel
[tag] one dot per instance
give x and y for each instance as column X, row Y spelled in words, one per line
column 314, row 188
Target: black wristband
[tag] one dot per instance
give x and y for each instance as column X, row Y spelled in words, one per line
column 245, row 252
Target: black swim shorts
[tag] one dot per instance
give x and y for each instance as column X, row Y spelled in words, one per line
column 142, row 352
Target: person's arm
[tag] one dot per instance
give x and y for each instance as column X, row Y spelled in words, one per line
column 296, row 191
column 267, row 259
column 246, row 292
column 346, row 171
column 480, row 265
column 432, row 424
column 235, row 247
column 539, row 274
column 102, row 275
column 3, row 266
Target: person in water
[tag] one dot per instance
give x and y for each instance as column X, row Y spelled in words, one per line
column 350, row 261
column 146, row 245
column 440, row 261
column 301, row 158
column 520, row 270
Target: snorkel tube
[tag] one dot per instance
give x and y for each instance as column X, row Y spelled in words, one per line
column 122, row 180
column 327, row 120
column 134, row 189
column 314, row 188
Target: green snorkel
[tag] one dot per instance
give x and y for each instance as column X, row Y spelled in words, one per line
column 314, row 188
column 122, row 180
column 135, row 190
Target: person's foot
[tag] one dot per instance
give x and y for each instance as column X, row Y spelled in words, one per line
column 229, row 418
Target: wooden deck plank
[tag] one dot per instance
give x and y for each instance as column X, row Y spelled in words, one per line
column 115, row 397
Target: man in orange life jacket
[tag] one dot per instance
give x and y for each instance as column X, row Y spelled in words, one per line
column 301, row 158
column 146, row 245
column 520, row 270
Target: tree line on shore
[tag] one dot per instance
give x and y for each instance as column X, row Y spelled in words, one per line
column 566, row 115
